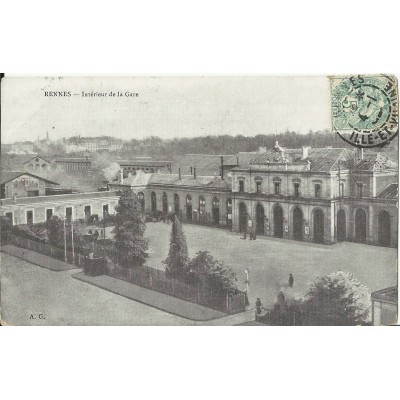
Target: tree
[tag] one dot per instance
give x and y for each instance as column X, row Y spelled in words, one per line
column 337, row 299
column 55, row 231
column 177, row 261
column 130, row 244
column 213, row 274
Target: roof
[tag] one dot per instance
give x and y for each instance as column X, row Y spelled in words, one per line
column 390, row 192
column 58, row 197
column 205, row 164
column 31, row 158
column 375, row 162
column 189, row 180
column 321, row 159
column 73, row 159
column 144, row 161
column 7, row 176
column 389, row 295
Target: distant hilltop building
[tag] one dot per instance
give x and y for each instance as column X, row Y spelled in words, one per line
column 93, row 144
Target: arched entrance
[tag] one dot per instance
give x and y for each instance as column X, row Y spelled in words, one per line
column 384, row 228
column 260, row 219
column 189, row 208
column 141, row 201
column 341, row 226
column 176, row 204
column 318, row 226
column 165, row 203
column 153, row 202
column 215, row 210
column 229, row 213
column 242, row 217
column 278, row 221
column 297, row 223
column 361, row 226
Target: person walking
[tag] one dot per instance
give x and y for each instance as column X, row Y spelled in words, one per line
column 291, row 280
column 258, row 305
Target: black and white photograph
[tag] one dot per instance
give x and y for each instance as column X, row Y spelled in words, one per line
column 199, row 200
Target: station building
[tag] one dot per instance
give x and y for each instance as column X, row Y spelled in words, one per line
column 321, row 195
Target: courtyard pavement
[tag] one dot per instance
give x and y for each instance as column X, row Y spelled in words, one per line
column 37, row 258
column 39, row 296
column 270, row 260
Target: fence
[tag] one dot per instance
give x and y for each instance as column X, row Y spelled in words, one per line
column 147, row 277
column 48, row 250
column 157, row 280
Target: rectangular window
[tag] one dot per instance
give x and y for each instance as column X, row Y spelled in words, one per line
column 105, row 209
column 9, row 215
column 258, row 186
column 359, row 189
column 32, row 193
column 68, row 214
column 241, row 186
column 29, row 217
column 317, row 189
column 341, row 190
column 277, row 187
column 49, row 214
column 297, row 189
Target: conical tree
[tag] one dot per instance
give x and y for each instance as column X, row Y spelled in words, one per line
column 130, row 243
column 177, row 260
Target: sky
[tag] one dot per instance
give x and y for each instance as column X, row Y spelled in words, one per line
column 165, row 106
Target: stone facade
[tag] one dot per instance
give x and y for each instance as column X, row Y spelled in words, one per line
column 77, row 206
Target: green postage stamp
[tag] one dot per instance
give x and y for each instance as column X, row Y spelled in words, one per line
column 365, row 110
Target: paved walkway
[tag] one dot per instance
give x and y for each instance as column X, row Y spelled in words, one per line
column 36, row 258
column 161, row 301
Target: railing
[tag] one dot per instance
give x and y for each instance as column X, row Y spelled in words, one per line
column 157, row 280
column 47, row 249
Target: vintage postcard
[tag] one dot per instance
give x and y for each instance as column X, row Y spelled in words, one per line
column 199, row 200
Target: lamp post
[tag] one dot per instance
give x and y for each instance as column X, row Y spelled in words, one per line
column 246, row 271
column 73, row 246
column 65, row 241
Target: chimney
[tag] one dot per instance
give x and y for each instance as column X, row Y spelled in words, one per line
column 179, row 174
column 222, row 167
column 305, row 152
column 121, row 176
column 194, row 173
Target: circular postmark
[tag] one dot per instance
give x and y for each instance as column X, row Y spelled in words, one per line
column 365, row 109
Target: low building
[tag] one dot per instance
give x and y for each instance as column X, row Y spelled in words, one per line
column 32, row 210
column 16, row 184
column 384, row 306
column 74, row 163
column 145, row 164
